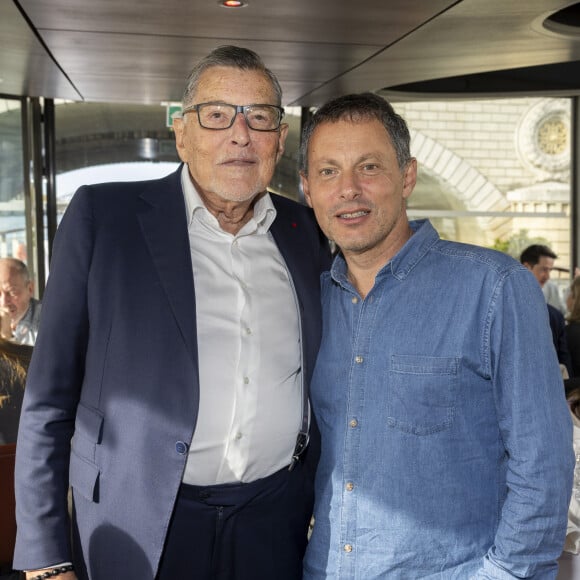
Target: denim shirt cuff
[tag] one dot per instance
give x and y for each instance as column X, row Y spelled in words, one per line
column 492, row 571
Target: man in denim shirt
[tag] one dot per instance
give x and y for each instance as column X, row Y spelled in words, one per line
column 446, row 439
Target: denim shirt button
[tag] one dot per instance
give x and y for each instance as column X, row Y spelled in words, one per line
column 353, row 423
column 355, row 299
column 349, row 486
column 348, row 548
column 358, row 359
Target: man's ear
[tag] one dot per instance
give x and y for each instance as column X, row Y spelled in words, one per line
column 410, row 178
column 305, row 188
column 282, row 140
column 179, row 130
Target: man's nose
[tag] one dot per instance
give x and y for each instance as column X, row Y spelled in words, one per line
column 350, row 187
column 241, row 131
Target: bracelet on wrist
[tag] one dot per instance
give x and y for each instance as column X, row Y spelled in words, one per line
column 54, row 572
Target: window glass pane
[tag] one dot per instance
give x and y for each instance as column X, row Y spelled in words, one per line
column 494, row 172
column 285, row 180
column 12, row 213
column 100, row 142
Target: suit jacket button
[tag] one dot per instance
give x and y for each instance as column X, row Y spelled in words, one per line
column 181, row 447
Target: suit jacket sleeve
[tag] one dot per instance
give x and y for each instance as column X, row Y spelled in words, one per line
column 52, row 393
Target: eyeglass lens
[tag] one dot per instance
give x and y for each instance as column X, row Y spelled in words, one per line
column 221, row 116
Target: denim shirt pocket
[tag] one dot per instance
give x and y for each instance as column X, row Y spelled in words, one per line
column 422, row 393
column 84, row 471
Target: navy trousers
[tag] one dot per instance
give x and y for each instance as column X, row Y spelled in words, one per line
column 252, row 531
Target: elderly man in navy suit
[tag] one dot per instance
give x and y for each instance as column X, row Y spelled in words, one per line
column 169, row 381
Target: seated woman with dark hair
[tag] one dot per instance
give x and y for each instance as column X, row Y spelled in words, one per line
column 14, row 359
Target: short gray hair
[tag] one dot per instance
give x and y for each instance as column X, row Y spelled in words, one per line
column 360, row 107
column 18, row 266
column 234, row 57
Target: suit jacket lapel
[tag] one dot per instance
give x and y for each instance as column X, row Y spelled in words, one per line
column 286, row 235
column 164, row 225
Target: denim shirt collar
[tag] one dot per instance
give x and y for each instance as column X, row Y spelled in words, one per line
column 423, row 238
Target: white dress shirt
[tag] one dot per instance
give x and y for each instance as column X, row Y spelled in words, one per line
column 248, row 332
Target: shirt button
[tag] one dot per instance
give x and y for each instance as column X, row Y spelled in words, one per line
column 238, row 436
column 246, row 380
column 181, row 447
column 349, row 486
column 355, row 300
column 358, row 359
column 347, row 548
column 353, row 423
column 248, row 330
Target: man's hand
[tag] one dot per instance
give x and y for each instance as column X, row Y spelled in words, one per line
column 5, row 326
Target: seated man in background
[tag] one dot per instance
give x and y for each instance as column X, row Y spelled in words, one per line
column 539, row 260
column 19, row 310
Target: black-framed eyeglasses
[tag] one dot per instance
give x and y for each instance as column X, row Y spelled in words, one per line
column 218, row 116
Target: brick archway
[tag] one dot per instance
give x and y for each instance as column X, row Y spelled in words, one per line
column 461, row 179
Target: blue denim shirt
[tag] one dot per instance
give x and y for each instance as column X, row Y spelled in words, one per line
column 446, row 438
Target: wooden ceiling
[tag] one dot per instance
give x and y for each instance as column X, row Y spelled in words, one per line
column 140, row 51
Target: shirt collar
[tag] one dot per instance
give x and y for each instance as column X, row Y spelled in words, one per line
column 264, row 210
column 424, row 236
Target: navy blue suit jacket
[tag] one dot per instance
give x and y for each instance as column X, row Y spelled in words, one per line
column 112, row 388
column 558, row 328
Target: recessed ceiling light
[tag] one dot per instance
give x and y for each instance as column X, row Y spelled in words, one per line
column 562, row 23
column 232, row 3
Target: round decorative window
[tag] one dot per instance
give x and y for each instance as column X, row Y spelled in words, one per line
column 553, row 136
column 543, row 138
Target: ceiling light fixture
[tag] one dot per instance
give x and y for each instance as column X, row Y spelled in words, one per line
column 564, row 23
column 232, row 3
